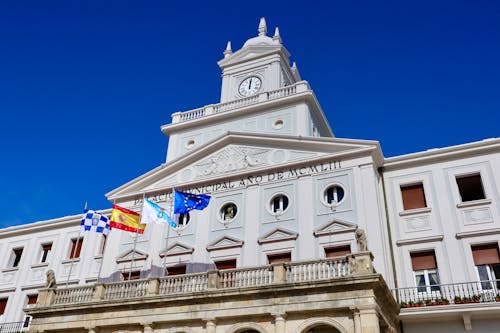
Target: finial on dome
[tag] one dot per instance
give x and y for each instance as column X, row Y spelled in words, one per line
column 277, row 36
column 294, row 65
column 262, row 27
column 228, row 51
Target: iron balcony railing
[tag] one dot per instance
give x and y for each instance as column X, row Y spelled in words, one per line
column 451, row 293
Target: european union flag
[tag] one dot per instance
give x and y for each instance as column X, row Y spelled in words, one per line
column 185, row 202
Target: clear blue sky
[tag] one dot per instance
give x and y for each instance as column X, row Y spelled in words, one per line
column 85, row 85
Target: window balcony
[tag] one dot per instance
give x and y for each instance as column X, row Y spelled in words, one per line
column 449, row 294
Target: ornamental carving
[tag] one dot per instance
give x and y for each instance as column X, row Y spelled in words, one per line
column 232, row 158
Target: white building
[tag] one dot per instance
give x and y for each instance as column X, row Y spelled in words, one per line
column 287, row 199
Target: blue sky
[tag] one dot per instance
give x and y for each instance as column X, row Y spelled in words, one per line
column 86, row 85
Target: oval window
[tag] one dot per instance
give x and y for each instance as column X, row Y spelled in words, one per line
column 228, row 212
column 333, row 195
column 279, row 204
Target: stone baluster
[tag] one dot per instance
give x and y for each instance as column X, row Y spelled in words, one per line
column 147, row 327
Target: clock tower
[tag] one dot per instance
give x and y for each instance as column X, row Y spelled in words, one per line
column 261, row 94
column 262, row 64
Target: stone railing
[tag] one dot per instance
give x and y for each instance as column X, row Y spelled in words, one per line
column 296, row 88
column 248, row 277
column 446, row 294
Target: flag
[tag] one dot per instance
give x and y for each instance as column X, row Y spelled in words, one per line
column 124, row 219
column 93, row 221
column 185, row 202
column 153, row 213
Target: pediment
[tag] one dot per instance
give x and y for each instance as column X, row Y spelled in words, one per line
column 240, row 153
column 252, row 52
column 176, row 249
column 278, row 235
column 130, row 255
column 335, row 227
column 225, row 242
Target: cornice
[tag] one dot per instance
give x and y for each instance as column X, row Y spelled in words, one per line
column 443, row 154
column 437, row 238
column 365, row 148
column 46, row 225
column 305, row 96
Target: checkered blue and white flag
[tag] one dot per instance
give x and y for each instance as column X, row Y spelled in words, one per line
column 93, row 221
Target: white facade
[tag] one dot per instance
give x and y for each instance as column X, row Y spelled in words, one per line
column 296, row 190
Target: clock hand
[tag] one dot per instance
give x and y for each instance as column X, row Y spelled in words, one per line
column 249, row 84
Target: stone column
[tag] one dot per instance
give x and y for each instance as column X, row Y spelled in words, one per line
column 279, row 322
column 210, row 325
column 369, row 321
column 148, row 328
column 92, row 329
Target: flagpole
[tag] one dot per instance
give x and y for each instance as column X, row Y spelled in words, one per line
column 74, row 250
column 102, row 259
column 168, row 229
column 135, row 240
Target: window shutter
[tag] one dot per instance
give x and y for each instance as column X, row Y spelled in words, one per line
column 337, row 251
column 281, row 257
column 3, row 304
column 413, row 196
column 176, row 270
column 226, row 264
column 485, row 254
column 32, row 299
column 423, row 260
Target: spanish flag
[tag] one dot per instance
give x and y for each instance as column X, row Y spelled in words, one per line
column 124, row 219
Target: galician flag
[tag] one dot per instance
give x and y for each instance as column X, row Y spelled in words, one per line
column 153, row 213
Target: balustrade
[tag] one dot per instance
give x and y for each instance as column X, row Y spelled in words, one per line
column 247, row 277
column 298, row 87
column 453, row 293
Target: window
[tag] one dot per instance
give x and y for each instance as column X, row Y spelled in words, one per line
column 470, row 188
column 225, row 264
column 183, row 220
column 3, row 305
column 333, row 195
column 279, row 204
column 425, row 271
column 134, row 275
column 279, row 257
column 32, row 299
column 228, row 212
column 337, row 251
column 16, row 257
column 46, row 248
column 103, row 244
column 413, row 196
column 76, row 248
column 176, row 270
column 487, row 261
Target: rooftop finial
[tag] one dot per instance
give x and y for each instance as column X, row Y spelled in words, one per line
column 277, row 36
column 262, row 27
column 228, row 51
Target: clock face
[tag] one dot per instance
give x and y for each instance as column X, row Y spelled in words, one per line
column 250, row 86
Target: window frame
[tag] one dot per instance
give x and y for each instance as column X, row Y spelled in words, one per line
column 405, row 197
column 45, row 255
column 282, row 197
column 426, row 273
column 325, row 197
column 462, row 191
column 77, row 243
column 15, row 259
column 222, row 211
